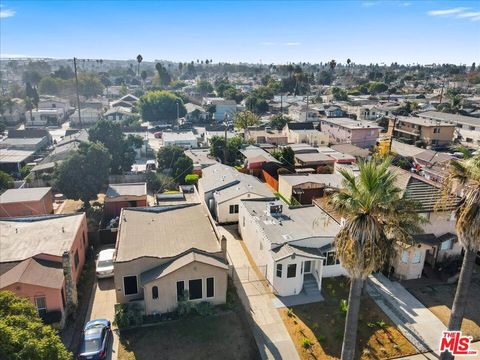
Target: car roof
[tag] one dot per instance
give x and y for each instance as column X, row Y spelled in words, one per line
column 94, row 332
column 106, row 254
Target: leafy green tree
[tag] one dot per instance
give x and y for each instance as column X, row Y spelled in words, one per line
column 83, row 174
column 29, row 106
column 279, row 121
column 217, row 146
column 158, row 183
column 31, row 76
column 121, row 150
column 182, row 167
column 467, row 174
column 377, row 87
column 139, row 60
column 6, row 181
column 221, row 85
column 204, row 87
column 167, row 156
column 89, row 85
column 339, row 94
column 244, row 119
column 191, row 179
column 233, row 94
column 163, row 76
column 144, row 75
column 23, row 335
column 325, row 78
column 161, row 105
column 376, row 218
column 50, row 85
column 64, row 72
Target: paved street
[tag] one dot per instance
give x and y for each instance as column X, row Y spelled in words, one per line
column 271, row 335
column 102, row 307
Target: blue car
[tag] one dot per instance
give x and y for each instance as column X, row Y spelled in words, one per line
column 96, row 336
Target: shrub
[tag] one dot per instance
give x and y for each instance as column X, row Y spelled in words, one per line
column 315, row 326
column 321, row 338
column 185, row 308
column 127, row 315
column 52, row 317
column 343, row 305
column 191, row 179
column 306, row 343
column 381, row 324
column 205, row 308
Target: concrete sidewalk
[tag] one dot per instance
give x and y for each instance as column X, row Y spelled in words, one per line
column 271, row 335
column 413, row 319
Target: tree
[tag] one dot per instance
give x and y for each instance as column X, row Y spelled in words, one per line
column 29, row 106
column 143, row 75
column 339, row 94
column 244, row 119
column 161, row 106
column 465, row 173
column 217, row 146
column 64, row 73
column 50, row 85
column 6, row 181
column 325, row 78
column 279, row 121
column 376, row 217
column 139, row 60
column 204, row 87
column 349, row 61
column 377, row 87
column 164, row 77
column 120, row 149
column 83, row 174
column 32, row 77
column 286, row 156
column 167, row 156
column 22, row 333
column 158, row 183
column 89, row 85
column 332, row 64
column 182, row 167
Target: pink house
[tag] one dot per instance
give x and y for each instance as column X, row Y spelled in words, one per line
column 41, row 258
column 25, row 202
column 363, row 134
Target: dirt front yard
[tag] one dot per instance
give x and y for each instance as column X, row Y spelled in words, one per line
column 215, row 337
column 438, row 298
column 317, row 329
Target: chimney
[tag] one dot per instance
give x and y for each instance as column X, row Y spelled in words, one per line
column 223, row 245
column 70, row 284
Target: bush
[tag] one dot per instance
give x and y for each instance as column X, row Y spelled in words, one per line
column 52, row 317
column 127, row 315
column 306, row 343
column 191, row 179
column 343, row 305
column 205, row 308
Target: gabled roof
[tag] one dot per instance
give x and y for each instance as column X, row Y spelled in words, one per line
column 286, row 250
column 34, row 272
column 169, row 267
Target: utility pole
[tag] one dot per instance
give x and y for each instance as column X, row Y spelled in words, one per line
column 78, row 96
column 306, row 112
column 281, row 103
column 225, row 151
column 391, row 134
column 178, row 112
column 441, row 92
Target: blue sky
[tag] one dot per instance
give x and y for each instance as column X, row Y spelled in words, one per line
column 367, row 31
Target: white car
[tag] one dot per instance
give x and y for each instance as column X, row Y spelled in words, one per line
column 105, row 263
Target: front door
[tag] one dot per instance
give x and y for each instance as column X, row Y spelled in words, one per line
column 307, row 267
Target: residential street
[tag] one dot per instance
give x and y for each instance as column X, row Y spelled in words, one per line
column 270, row 332
column 102, row 307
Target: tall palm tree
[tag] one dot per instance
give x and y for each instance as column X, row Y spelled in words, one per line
column 139, row 60
column 376, row 217
column 467, row 174
column 332, row 64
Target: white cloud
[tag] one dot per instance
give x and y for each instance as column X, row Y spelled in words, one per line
column 292, row 43
column 405, row 4
column 267, row 43
column 447, row 12
column 368, row 3
column 7, row 13
column 471, row 14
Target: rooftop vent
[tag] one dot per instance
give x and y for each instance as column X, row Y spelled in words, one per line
column 274, row 207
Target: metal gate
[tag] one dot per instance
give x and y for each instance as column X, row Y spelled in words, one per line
column 247, row 276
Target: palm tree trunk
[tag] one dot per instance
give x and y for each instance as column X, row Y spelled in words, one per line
column 351, row 322
column 461, row 296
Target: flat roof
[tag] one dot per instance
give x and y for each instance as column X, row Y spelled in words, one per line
column 179, row 136
column 351, row 124
column 333, row 180
column 452, row 118
column 8, row 156
column 126, row 189
column 254, row 153
column 294, row 223
column 25, row 194
column 22, row 141
column 248, row 185
column 23, row 238
column 314, row 157
column 423, row 121
column 164, row 232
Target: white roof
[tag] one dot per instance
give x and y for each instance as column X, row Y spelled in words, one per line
column 333, row 180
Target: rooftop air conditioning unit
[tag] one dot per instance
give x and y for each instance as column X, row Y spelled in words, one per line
column 274, row 207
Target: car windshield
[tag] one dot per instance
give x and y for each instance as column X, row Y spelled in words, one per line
column 92, row 345
column 105, row 263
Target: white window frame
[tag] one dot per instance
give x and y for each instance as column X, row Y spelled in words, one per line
column 292, row 277
column 403, row 260
column 158, row 293
column 206, row 287
column 281, row 270
column 417, row 257
column 123, row 284
column 450, row 246
column 36, row 305
column 188, row 289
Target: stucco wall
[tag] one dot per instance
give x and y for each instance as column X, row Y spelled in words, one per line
column 26, row 208
column 407, row 271
column 167, row 287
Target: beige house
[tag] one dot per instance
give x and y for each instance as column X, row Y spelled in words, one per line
column 429, row 132
column 167, row 254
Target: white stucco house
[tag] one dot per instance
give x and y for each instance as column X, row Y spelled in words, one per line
column 223, row 187
column 293, row 244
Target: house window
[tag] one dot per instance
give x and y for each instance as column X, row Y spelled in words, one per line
column 405, row 257
column 155, row 292
column 417, row 255
column 279, row 270
column 291, row 270
column 210, row 287
column 332, row 258
column 180, row 290
column 75, row 259
column 436, row 130
column 130, row 285
column 233, row 209
column 195, row 289
column 41, row 305
column 447, row 245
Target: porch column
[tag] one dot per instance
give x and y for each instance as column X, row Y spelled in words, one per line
column 320, row 274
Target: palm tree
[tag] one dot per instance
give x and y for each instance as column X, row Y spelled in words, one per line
column 139, row 60
column 376, row 217
column 349, row 61
column 467, row 174
column 332, row 64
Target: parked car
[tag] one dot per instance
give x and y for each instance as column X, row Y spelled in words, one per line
column 158, row 135
column 105, row 263
column 96, row 337
column 151, row 165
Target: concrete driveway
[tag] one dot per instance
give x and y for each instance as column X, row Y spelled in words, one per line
column 102, row 307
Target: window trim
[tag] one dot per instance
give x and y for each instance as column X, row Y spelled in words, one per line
column 292, row 265
column 405, row 252
column 123, row 283
column 36, row 306
column 176, row 286
column 281, row 270
column 190, row 293
column 419, row 257
column 206, row 287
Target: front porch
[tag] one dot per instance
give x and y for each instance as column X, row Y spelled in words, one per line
column 309, row 294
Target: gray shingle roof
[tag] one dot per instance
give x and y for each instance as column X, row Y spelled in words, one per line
column 22, row 195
